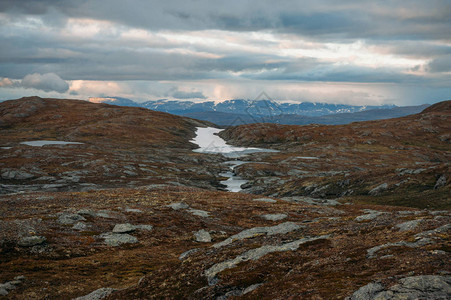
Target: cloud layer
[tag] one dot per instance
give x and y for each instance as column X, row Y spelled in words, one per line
column 381, row 50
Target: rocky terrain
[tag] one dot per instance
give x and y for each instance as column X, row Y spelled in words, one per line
column 403, row 161
column 359, row 211
column 119, row 147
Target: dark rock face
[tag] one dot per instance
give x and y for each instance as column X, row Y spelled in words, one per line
column 431, row 287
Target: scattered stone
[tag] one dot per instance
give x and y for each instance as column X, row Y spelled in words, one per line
column 117, row 239
column 268, row 200
column 9, row 174
column 31, row 241
column 274, row 217
column 8, row 286
column 256, row 231
column 20, row 278
column 409, row 225
column 69, row 218
column 441, row 229
column 371, row 253
column 144, row 227
column 251, row 288
column 370, row 215
column 133, row 210
column 439, row 212
column 313, row 201
column 178, row 205
column 379, row 189
column 188, row 253
column 104, row 214
column 3, row 292
column 441, row 182
column 431, row 287
column 202, row 236
column 409, row 212
column 255, row 254
column 80, row 226
column 367, row 292
column 199, row 213
column 97, row 294
column 123, row 228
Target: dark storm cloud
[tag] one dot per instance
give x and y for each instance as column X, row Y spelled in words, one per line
column 177, row 94
column 441, row 64
column 350, row 19
column 404, row 42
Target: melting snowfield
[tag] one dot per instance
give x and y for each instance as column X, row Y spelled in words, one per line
column 209, row 142
column 42, row 143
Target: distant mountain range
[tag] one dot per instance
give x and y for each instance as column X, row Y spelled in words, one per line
column 238, row 112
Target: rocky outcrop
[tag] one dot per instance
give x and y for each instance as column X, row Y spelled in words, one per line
column 430, row 287
column 255, row 254
column 256, row 231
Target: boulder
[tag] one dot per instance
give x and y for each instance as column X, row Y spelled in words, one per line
column 31, row 241
column 202, row 236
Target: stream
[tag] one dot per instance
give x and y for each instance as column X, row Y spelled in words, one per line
column 209, row 142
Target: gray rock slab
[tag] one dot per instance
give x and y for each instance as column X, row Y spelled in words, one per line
column 255, row 254
column 124, row 228
column 144, row 227
column 3, row 292
column 31, row 241
column 202, row 236
column 409, row 225
column 379, row 189
column 431, row 287
column 97, row 294
column 267, row 200
column 133, row 210
column 274, row 217
column 188, row 253
column 80, row 226
column 178, row 205
column 370, row 215
column 117, row 239
column 69, row 218
column 199, row 213
column 9, row 174
column 441, row 229
column 256, row 231
column 371, row 253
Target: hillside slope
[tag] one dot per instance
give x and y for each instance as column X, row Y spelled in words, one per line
column 119, row 146
column 125, row 216
column 405, row 161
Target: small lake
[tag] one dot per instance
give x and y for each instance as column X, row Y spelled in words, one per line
column 209, row 142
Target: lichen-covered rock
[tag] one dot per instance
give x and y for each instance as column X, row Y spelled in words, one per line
column 409, row 225
column 431, row 287
column 274, row 217
column 379, row 189
column 178, row 205
column 255, row 254
column 124, row 228
column 248, row 233
column 117, row 239
column 202, row 236
column 97, row 294
column 69, row 218
column 31, row 241
column 268, row 200
column 199, row 213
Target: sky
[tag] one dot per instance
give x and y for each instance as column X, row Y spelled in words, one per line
column 350, row 52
